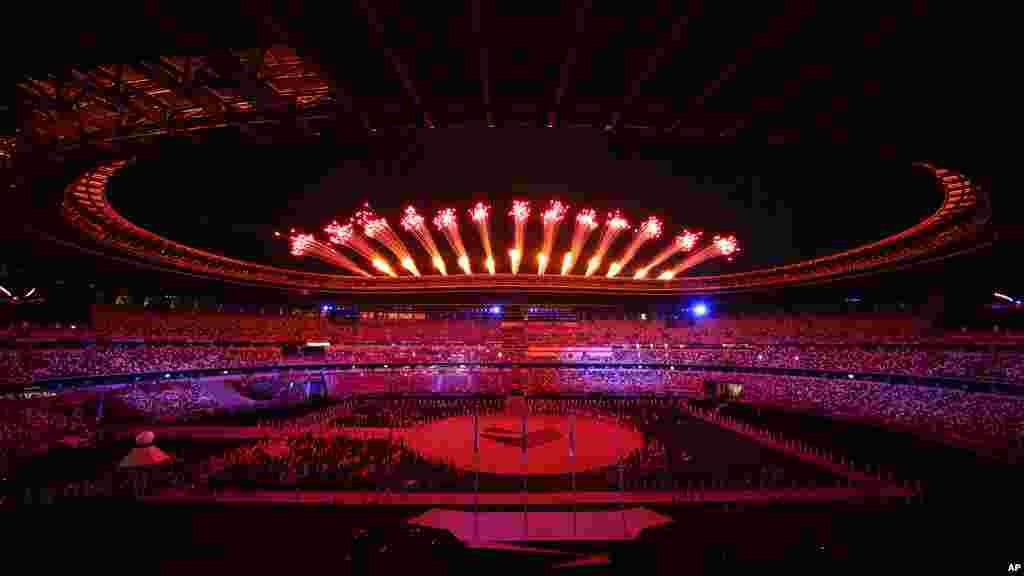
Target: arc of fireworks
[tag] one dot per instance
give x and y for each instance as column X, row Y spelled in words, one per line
column 720, row 247
column 520, row 213
column 345, row 235
column 586, row 223
column 446, row 221
column 481, row 215
column 612, row 228
column 649, row 230
column 684, row 242
column 552, row 218
column 412, row 222
column 307, row 245
column 377, row 227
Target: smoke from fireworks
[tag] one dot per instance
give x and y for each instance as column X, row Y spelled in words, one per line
column 649, row 230
column 684, row 242
column 586, row 222
column 481, row 215
column 413, row 222
column 520, row 213
column 612, row 228
column 448, row 223
column 720, row 247
column 308, row 245
column 551, row 218
column 345, row 235
column 378, row 228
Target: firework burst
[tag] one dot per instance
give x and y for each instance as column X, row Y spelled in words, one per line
column 520, row 213
column 414, row 223
column 377, row 227
column 721, row 247
column 586, row 223
column 446, row 221
column 346, row 235
column 307, row 245
column 684, row 242
column 612, row 228
column 481, row 216
column 552, row 218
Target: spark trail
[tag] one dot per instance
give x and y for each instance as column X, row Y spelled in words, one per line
column 586, row 223
column 649, row 230
column 413, row 223
column 345, row 235
column 446, row 221
column 481, row 215
column 377, row 227
column 612, row 228
column 684, row 242
column 551, row 218
column 520, row 213
column 307, row 245
column 720, row 247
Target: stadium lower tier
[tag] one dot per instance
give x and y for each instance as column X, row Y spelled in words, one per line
column 1000, row 368
column 39, row 419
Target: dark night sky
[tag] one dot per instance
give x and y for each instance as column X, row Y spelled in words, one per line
column 784, row 203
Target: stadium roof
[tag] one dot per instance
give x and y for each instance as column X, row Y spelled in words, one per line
column 868, row 90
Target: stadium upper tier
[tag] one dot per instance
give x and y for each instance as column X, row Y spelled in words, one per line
column 957, row 226
column 128, row 341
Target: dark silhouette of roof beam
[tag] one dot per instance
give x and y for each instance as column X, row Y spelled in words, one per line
column 570, row 56
column 313, row 64
column 678, row 28
column 118, row 100
column 248, row 76
column 154, row 108
column 207, row 99
column 396, row 62
column 485, row 88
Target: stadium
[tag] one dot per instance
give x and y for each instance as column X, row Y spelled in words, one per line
column 645, row 288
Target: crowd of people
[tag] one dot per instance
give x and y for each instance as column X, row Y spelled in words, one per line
column 18, row 367
column 133, row 342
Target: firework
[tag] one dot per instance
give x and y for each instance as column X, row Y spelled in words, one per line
column 377, row 227
column 308, row 245
column 612, row 228
column 481, row 215
column 586, row 222
column 551, row 218
column 520, row 213
column 345, row 235
column 684, row 242
column 413, row 222
column 448, row 224
column 649, row 230
column 721, row 246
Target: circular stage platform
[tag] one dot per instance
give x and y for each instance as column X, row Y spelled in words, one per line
column 599, row 443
